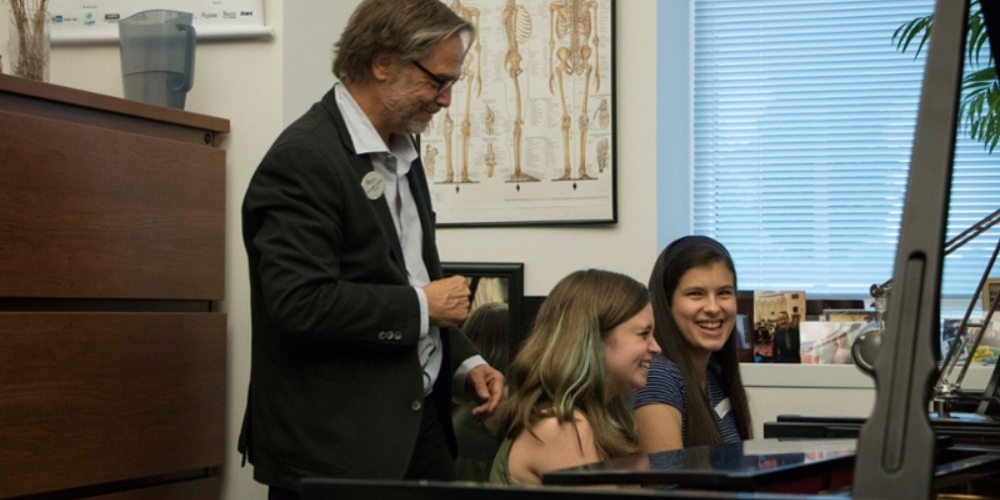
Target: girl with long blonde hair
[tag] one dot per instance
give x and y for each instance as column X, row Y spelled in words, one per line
column 568, row 404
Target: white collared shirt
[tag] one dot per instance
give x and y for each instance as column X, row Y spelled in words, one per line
column 393, row 162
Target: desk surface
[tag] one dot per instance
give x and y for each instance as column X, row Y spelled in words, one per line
column 748, row 465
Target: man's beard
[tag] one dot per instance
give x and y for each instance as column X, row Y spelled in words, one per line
column 400, row 106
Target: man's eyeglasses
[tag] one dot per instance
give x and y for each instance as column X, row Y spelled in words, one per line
column 442, row 84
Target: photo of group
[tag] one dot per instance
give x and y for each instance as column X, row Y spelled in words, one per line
column 775, row 333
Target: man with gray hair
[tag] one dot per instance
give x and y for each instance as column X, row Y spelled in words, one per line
column 355, row 351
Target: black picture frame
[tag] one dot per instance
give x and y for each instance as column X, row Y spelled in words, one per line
column 513, row 273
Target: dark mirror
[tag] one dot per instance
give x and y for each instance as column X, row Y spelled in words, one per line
column 492, row 282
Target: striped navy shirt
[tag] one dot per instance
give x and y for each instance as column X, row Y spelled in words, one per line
column 665, row 385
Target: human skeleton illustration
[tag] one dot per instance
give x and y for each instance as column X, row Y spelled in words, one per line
column 602, row 115
column 430, row 158
column 516, row 29
column 602, row 155
column 449, row 128
column 572, row 28
column 491, row 160
column 475, row 84
column 490, row 120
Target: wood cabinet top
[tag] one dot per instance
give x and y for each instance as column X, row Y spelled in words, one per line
column 100, row 102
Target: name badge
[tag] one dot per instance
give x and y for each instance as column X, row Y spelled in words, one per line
column 722, row 409
column 373, row 184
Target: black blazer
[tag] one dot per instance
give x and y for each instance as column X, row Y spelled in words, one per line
column 336, row 385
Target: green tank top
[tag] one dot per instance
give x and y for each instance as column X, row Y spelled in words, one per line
column 476, row 446
column 500, row 473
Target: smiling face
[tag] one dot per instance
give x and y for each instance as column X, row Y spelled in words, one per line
column 412, row 97
column 628, row 350
column 783, row 321
column 704, row 308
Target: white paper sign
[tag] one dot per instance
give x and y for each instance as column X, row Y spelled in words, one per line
column 75, row 21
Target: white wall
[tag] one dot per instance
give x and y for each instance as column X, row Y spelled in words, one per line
column 308, row 34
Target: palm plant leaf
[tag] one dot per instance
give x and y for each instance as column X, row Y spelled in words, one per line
column 905, row 34
column 980, row 105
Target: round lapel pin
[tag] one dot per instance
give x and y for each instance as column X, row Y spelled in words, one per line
column 373, row 184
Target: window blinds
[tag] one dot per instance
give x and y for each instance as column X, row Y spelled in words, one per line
column 804, row 117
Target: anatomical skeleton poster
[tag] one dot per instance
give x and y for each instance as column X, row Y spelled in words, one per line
column 529, row 136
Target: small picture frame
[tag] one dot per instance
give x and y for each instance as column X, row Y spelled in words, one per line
column 743, row 338
column 990, row 290
column 829, row 342
column 495, row 282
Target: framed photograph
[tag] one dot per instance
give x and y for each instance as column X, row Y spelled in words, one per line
column 768, row 306
column 990, row 290
column 743, row 340
column 529, row 138
column 828, row 342
column 949, row 331
column 495, row 282
column 744, row 318
column 986, row 353
column 816, row 308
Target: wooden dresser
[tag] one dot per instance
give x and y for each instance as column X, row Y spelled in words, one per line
column 112, row 253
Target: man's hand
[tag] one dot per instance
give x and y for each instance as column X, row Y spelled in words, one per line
column 447, row 301
column 484, row 385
